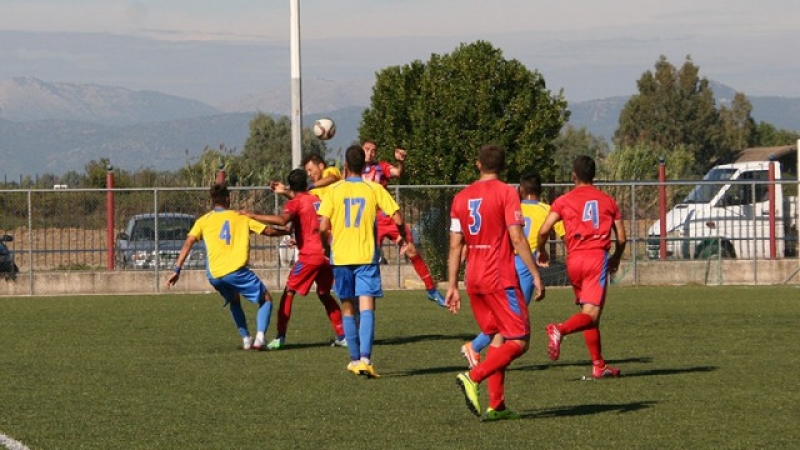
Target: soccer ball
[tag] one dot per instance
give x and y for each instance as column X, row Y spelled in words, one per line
column 324, row 129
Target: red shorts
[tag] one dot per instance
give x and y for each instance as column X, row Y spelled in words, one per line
column 502, row 311
column 310, row 269
column 388, row 229
column 588, row 273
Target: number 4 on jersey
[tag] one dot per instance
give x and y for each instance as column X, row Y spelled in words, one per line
column 591, row 213
column 225, row 233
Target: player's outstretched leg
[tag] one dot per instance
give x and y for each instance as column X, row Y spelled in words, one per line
column 593, row 343
column 284, row 314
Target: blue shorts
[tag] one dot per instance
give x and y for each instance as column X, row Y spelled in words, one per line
column 242, row 281
column 525, row 278
column 357, row 280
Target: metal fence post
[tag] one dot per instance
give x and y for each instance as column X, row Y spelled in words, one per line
column 156, row 271
column 110, row 217
column 634, row 234
column 30, row 240
column 399, row 255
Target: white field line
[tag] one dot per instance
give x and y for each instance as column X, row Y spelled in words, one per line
column 11, row 444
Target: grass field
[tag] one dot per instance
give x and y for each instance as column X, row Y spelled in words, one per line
column 703, row 367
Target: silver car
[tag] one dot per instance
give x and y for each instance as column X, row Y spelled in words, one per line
column 151, row 240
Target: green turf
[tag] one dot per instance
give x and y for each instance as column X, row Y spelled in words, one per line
column 703, row 367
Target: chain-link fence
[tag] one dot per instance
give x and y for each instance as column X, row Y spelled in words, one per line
column 71, row 229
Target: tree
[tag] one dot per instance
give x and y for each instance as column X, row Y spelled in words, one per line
column 573, row 142
column 766, row 135
column 267, row 153
column 641, row 162
column 673, row 108
column 444, row 109
column 738, row 128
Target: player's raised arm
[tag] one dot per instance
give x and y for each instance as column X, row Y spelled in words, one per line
column 270, row 219
column 399, row 167
column 281, row 189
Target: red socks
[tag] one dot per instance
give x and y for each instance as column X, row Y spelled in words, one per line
column 592, row 338
column 578, row 322
column 285, row 312
column 497, row 359
column 422, row 270
column 497, row 384
column 334, row 313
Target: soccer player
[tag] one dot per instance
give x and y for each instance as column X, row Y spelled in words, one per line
column 321, row 176
column 381, row 172
column 226, row 234
column 486, row 217
column 589, row 216
column 348, row 211
column 320, row 173
column 533, row 212
column 311, row 266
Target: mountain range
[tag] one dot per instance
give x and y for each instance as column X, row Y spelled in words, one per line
column 49, row 127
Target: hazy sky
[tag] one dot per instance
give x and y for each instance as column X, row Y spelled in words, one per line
column 591, row 48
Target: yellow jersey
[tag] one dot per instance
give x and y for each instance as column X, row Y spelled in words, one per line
column 352, row 207
column 329, row 171
column 534, row 212
column 227, row 237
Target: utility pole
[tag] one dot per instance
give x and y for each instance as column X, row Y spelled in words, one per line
column 297, row 97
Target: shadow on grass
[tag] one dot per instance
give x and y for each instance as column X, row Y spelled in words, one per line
column 586, row 410
column 585, row 363
column 454, row 370
column 401, row 340
column 659, row 372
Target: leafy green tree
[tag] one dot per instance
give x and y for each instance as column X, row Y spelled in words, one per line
column 641, row 162
column 96, row 172
column 573, row 142
column 444, row 109
column 766, row 135
column 674, row 107
column 738, row 127
column 267, row 153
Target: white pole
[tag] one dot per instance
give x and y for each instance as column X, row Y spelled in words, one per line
column 297, row 96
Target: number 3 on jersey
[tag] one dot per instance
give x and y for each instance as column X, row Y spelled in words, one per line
column 474, row 205
column 225, row 232
column 591, row 213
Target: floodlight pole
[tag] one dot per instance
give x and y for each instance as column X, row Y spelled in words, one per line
column 297, row 97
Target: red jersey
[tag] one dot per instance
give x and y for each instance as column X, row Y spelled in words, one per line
column 482, row 213
column 379, row 172
column 303, row 211
column 588, row 214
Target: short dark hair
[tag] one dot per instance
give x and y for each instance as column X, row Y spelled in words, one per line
column 492, row 158
column 584, row 168
column 220, row 194
column 355, row 159
column 312, row 157
column 297, row 180
column 369, row 141
column 531, row 183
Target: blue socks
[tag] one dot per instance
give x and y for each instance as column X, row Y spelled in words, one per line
column 263, row 316
column 366, row 333
column 239, row 319
column 480, row 342
column 351, row 334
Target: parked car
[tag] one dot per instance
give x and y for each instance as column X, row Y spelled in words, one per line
column 8, row 268
column 139, row 247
